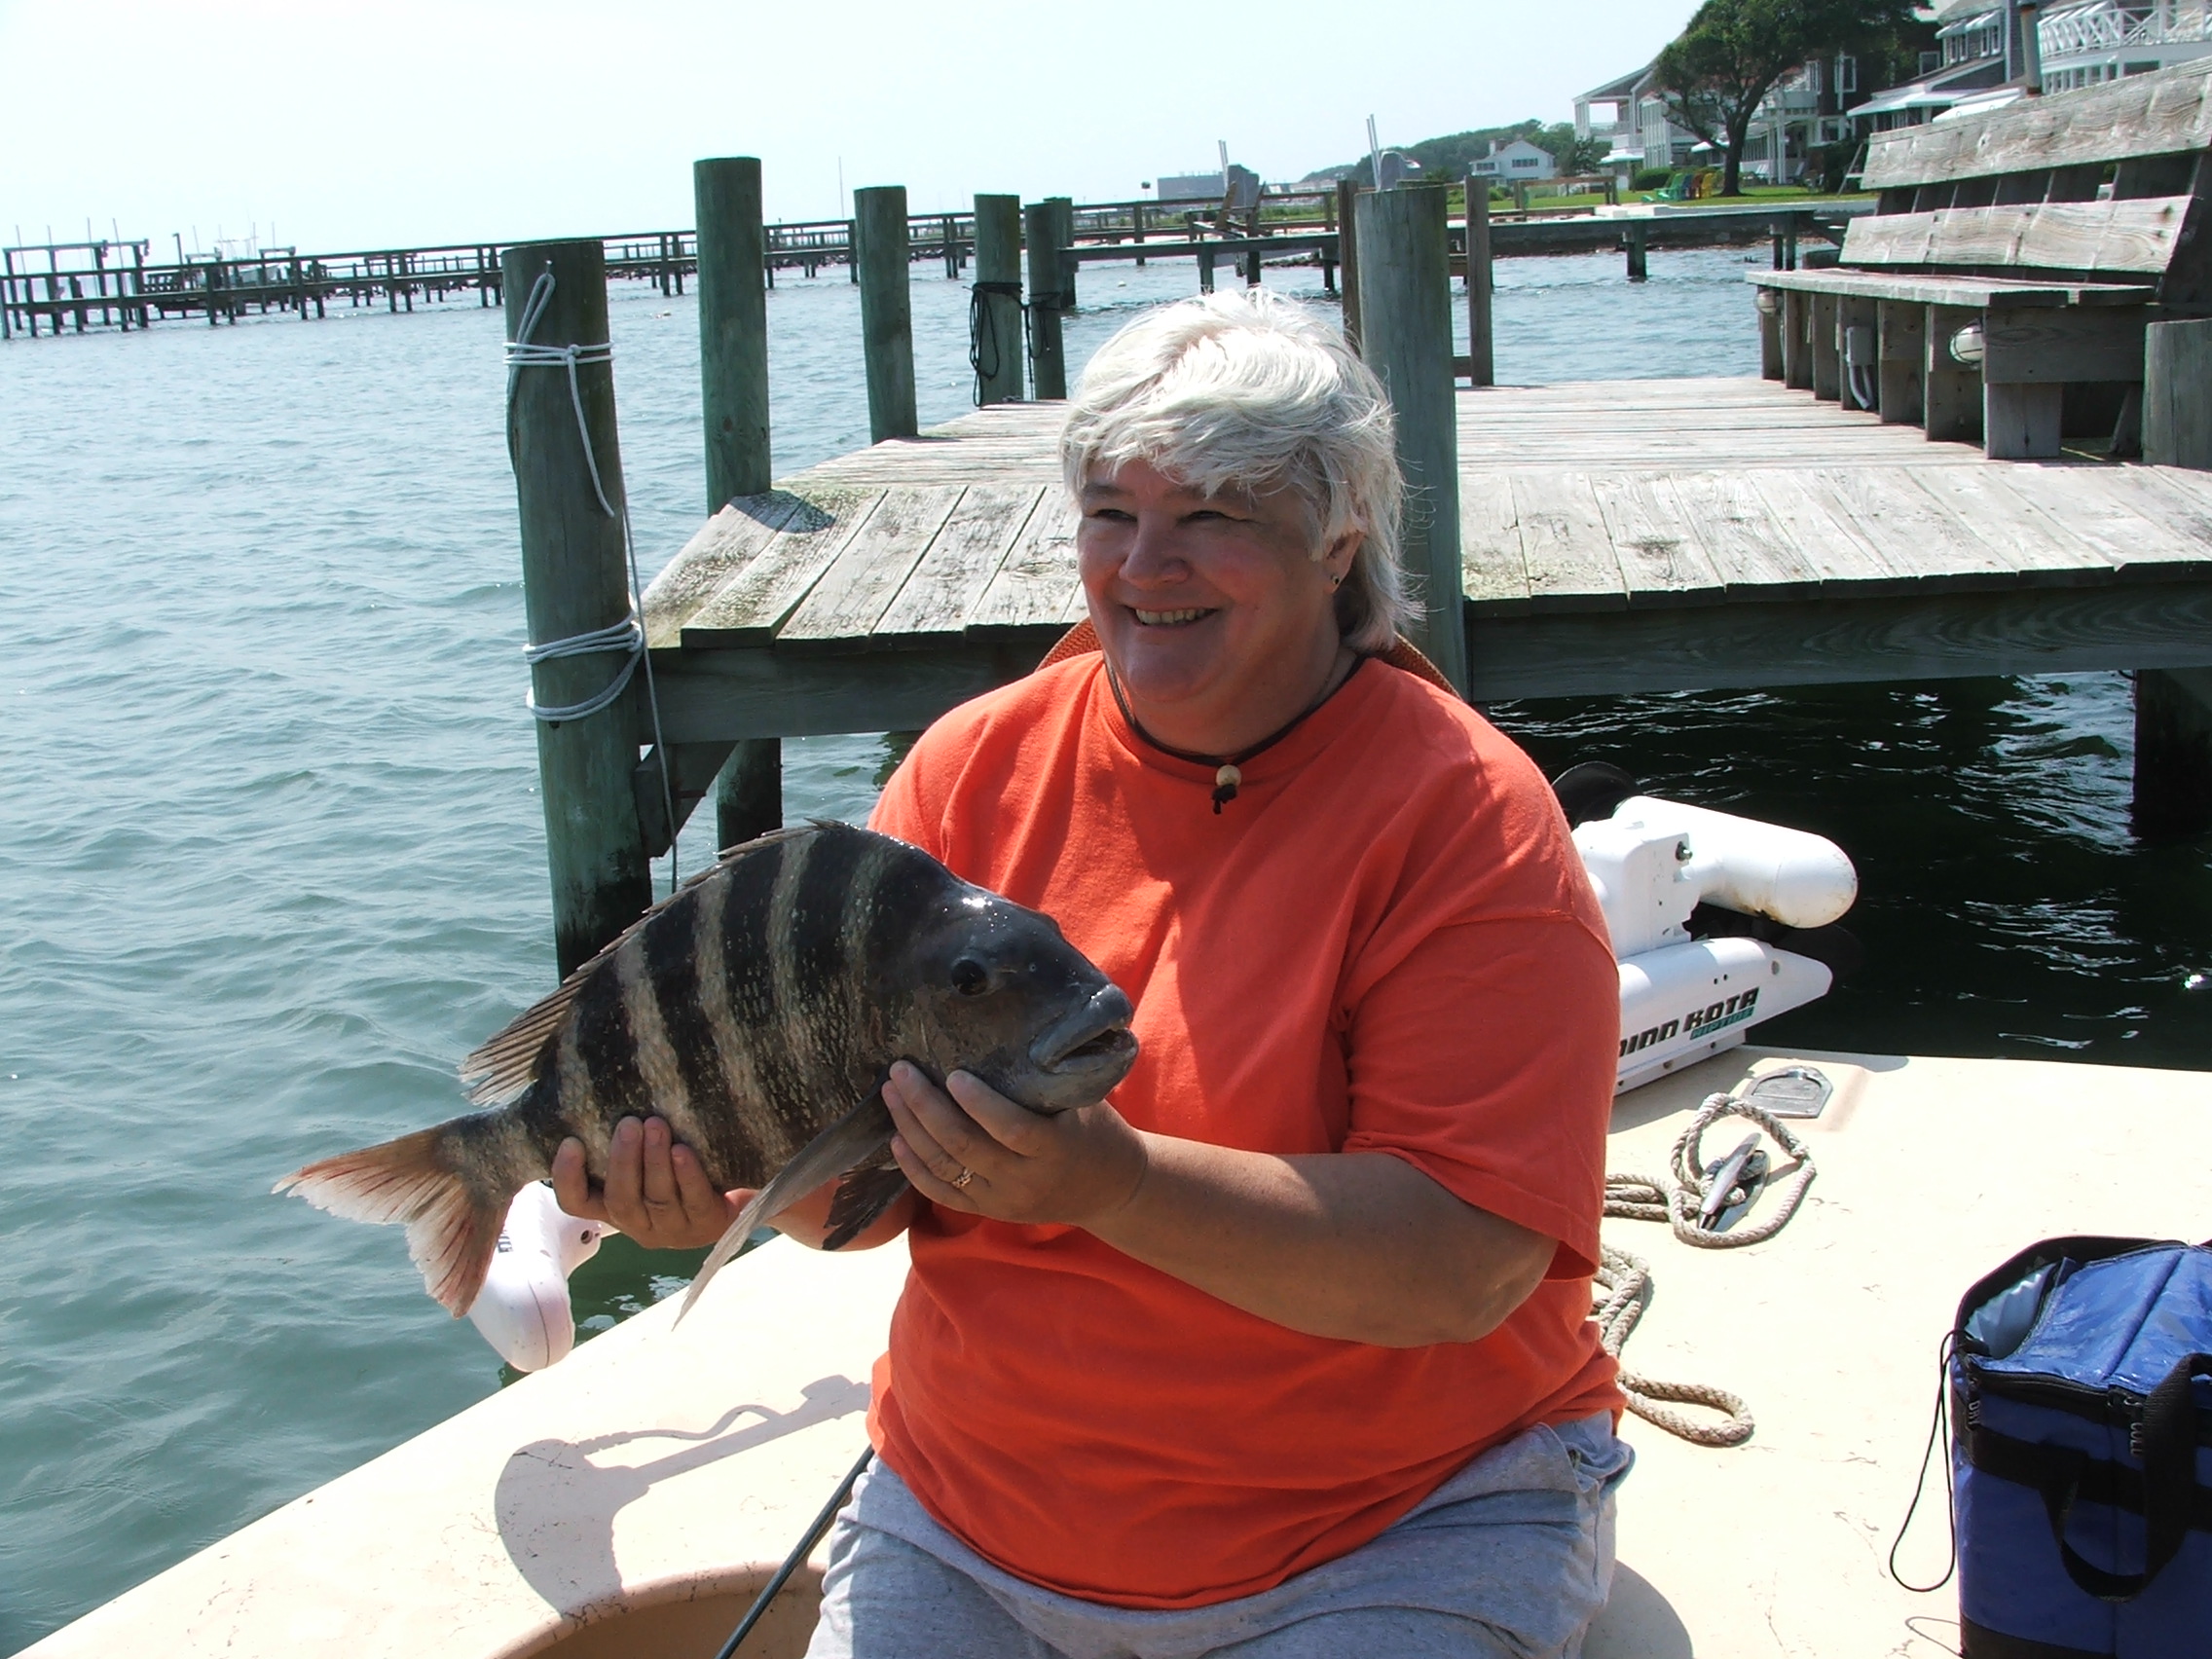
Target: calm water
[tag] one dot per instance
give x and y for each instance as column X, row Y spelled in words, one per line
column 271, row 855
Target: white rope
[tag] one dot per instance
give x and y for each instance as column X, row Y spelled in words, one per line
column 627, row 636
column 1623, row 1281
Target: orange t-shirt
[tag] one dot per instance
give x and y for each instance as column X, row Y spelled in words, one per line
column 1385, row 944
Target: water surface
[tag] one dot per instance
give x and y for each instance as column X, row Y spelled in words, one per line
column 272, row 857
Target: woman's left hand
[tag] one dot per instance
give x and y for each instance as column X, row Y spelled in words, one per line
column 1072, row 1169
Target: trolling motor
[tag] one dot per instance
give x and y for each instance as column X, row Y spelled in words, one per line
column 1718, row 922
column 523, row 1309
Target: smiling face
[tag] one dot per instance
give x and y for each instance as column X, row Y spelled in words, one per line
column 1212, row 610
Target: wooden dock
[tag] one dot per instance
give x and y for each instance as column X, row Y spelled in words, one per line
column 1619, row 536
column 50, row 288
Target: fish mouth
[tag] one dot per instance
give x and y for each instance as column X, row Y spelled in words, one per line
column 1096, row 1035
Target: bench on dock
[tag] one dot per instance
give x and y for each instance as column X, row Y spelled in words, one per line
column 2003, row 287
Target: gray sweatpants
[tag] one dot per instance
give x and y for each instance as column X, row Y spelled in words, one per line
column 1511, row 1556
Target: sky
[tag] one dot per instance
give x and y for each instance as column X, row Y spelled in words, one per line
column 408, row 123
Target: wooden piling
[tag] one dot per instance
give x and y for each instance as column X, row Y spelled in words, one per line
column 996, row 345
column 2173, row 752
column 1828, row 354
column 1903, row 329
column 1481, row 364
column 2177, row 393
column 1048, row 359
column 1347, row 257
column 749, row 793
column 880, row 252
column 1063, row 234
column 1405, row 312
column 1639, row 266
column 733, row 327
column 576, row 580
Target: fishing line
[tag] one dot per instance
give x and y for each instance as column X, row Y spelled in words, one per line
column 627, row 636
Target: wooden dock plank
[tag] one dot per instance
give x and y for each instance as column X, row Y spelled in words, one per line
column 1831, row 543
column 2017, row 532
column 749, row 607
column 2119, row 513
column 942, row 589
column 1913, row 530
column 1032, row 587
column 1564, row 540
column 1657, row 540
column 850, row 597
column 1753, row 551
column 722, row 548
column 1857, row 546
column 1493, row 572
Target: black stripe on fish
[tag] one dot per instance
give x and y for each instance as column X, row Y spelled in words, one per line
column 607, row 1048
column 672, row 969
column 819, row 974
column 748, row 959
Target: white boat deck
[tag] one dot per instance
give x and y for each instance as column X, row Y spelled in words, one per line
column 631, row 1499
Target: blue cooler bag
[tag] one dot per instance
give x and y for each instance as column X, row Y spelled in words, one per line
column 2081, row 1382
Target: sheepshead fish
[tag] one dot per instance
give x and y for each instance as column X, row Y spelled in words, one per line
column 758, row 1010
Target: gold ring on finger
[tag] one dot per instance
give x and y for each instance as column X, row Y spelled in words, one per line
column 965, row 1176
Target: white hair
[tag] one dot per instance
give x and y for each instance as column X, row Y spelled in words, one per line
column 1249, row 391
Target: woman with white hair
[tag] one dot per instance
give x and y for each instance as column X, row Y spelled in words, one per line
column 1283, row 1350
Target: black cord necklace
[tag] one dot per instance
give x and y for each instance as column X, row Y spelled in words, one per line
column 1227, row 778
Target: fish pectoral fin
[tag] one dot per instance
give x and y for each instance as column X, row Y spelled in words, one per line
column 862, row 1195
column 856, row 1138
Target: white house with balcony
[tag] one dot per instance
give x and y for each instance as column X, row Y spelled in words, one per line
column 1631, row 114
column 2099, row 39
column 1980, row 60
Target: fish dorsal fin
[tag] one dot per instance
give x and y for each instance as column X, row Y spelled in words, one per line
column 498, row 1072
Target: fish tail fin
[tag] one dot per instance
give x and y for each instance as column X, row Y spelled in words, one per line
column 424, row 1180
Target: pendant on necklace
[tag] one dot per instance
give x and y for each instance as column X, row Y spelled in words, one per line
column 1225, row 784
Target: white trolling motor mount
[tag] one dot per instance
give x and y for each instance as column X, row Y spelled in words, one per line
column 1654, row 863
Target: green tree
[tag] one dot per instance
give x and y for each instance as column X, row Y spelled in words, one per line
column 1714, row 75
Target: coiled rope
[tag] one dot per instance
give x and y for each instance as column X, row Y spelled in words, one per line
column 986, row 352
column 627, row 636
column 1623, row 1281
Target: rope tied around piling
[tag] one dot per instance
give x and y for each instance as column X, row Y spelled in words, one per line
column 1622, row 1283
column 628, row 636
column 982, row 327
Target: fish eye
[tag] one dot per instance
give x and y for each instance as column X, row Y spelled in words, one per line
column 970, row 978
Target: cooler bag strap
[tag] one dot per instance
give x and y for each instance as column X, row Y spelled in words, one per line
column 2171, row 1497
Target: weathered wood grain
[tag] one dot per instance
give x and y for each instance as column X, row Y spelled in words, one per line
column 2018, row 534
column 1032, row 587
column 2144, row 115
column 2121, row 237
column 2099, row 343
column 848, row 598
column 1753, row 552
column 1842, row 559
column 1921, row 636
column 718, row 550
column 718, row 696
column 1657, row 540
column 1564, row 542
column 1938, row 288
column 2121, row 514
column 1915, row 531
column 1493, row 571
column 749, row 607
column 942, row 589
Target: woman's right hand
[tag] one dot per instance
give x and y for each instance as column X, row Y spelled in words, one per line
column 656, row 1190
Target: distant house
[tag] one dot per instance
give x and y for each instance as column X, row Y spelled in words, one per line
column 1810, row 108
column 1515, row 163
column 1209, row 188
column 1980, row 61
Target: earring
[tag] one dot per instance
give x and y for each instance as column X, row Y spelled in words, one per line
column 1336, row 581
